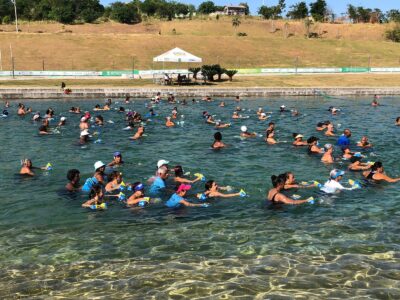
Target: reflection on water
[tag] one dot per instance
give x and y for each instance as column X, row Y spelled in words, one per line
column 346, row 246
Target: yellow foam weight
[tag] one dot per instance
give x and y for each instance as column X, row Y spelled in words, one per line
column 316, row 183
column 199, row 175
column 147, row 199
column 351, row 182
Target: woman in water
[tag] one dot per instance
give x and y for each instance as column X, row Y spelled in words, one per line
column 347, row 154
column 327, row 157
column 291, row 183
column 245, row 133
column 212, row 190
column 99, row 174
column 74, row 178
column 83, row 124
column 275, row 196
column 313, row 146
column 177, row 200
column 98, row 196
column 330, row 130
column 84, row 137
column 333, row 184
column 377, row 173
column 263, row 117
column 117, row 161
column 139, row 133
column 99, row 120
column 169, row 123
column 115, row 182
column 270, row 137
column 179, row 176
column 218, row 144
column 138, row 195
column 357, row 165
column 27, row 168
column 298, row 140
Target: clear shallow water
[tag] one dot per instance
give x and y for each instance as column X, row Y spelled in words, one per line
column 347, row 246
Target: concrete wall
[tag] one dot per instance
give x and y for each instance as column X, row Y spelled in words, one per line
column 40, row 93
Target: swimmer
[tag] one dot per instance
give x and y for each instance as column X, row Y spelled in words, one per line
column 212, row 190
column 117, row 161
column 327, row 157
column 121, row 109
column 169, row 123
column 330, row 130
column 7, row 104
column 313, row 146
column 364, row 143
column 295, row 113
column 210, row 120
column 36, row 117
column 99, row 174
column 263, row 117
column 84, row 137
column 347, row 154
column 49, row 113
column 177, row 200
column 179, row 176
column 158, row 186
column 127, row 99
column 260, row 111
column 334, row 111
column 62, row 121
column 137, row 196
column 237, row 99
column 139, row 133
column 375, row 102
column 270, row 137
column 291, row 183
column 238, row 108
column 114, row 183
column 275, row 196
column 43, row 129
column 377, row 173
column 107, row 105
column 27, row 168
column 83, row 124
column 222, row 104
column 271, row 126
column 322, row 125
column 22, row 110
column 174, row 113
column 218, row 144
column 219, row 125
column 298, row 140
column 97, row 199
column 357, row 165
column 397, row 121
column 98, row 120
column 333, row 184
column 74, row 178
column 5, row 113
column 246, row 134
column 236, row 115
column 344, row 139
column 97, row 107
column 282, row 108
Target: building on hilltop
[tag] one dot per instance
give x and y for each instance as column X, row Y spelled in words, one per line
column 232, row 10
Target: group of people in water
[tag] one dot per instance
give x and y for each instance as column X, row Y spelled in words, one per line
column 107, row 182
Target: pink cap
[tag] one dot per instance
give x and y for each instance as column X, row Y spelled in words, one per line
column 183, row 187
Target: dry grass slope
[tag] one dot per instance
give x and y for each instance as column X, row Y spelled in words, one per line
column 110, row 46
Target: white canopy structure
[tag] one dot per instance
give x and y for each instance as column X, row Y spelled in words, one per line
column 177, row 55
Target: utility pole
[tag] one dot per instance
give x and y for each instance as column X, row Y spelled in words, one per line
column 16, row 15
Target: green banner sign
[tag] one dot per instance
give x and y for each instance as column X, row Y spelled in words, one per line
column 249, row 71
column 355, row 70
column 118, row 73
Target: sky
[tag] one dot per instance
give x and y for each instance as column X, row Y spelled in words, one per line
column 338, row 6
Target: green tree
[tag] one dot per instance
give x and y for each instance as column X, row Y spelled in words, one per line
column 207, row 7
column 125, row 13
column 5, row 8
column 318, row 10
column 247, row 8
column 393, row 15
column 231, row 73
column 298, row 11
column 236, row 22
column 272, row 12
column 62, row 11
column 393, row 34
column 150, row 7
column 352, row 13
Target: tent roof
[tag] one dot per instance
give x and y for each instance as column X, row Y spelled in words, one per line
column 177, row 55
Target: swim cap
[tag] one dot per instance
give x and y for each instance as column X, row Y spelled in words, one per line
column 162, row 162
column 62, row 119
column 139, row 187
column 184, row 187
column 243, row 128
column 99, row 164
column 117, row 153
column 335, row 173
column 328, row 146
column 298, row 136
column 83, row 119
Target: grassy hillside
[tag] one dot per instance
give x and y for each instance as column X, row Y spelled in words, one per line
column 110, row 46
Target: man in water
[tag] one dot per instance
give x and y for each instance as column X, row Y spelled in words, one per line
column 344, row 139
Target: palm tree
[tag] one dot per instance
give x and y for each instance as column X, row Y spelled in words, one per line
column 230, row 73
column 236, row 22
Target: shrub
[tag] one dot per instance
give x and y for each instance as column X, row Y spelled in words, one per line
column 125, row 13
column 231, row 73
column 241, row 34
column 393, row 34
column 6, row 20
column 195, row 71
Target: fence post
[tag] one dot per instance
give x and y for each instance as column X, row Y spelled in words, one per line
column 42, row 64
column 13, row 68
column 133, row 67
column 296, row 62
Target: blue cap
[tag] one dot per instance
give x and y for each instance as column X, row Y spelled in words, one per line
column 117, row 154
column 139, row 187
column 336, row 173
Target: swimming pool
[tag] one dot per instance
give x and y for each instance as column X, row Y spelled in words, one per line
column 347, row 246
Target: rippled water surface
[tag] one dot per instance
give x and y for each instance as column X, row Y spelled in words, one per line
column 347, row 246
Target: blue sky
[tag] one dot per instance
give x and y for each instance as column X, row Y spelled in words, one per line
column 338, row 6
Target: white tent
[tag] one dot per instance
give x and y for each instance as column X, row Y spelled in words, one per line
column 177, row 55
